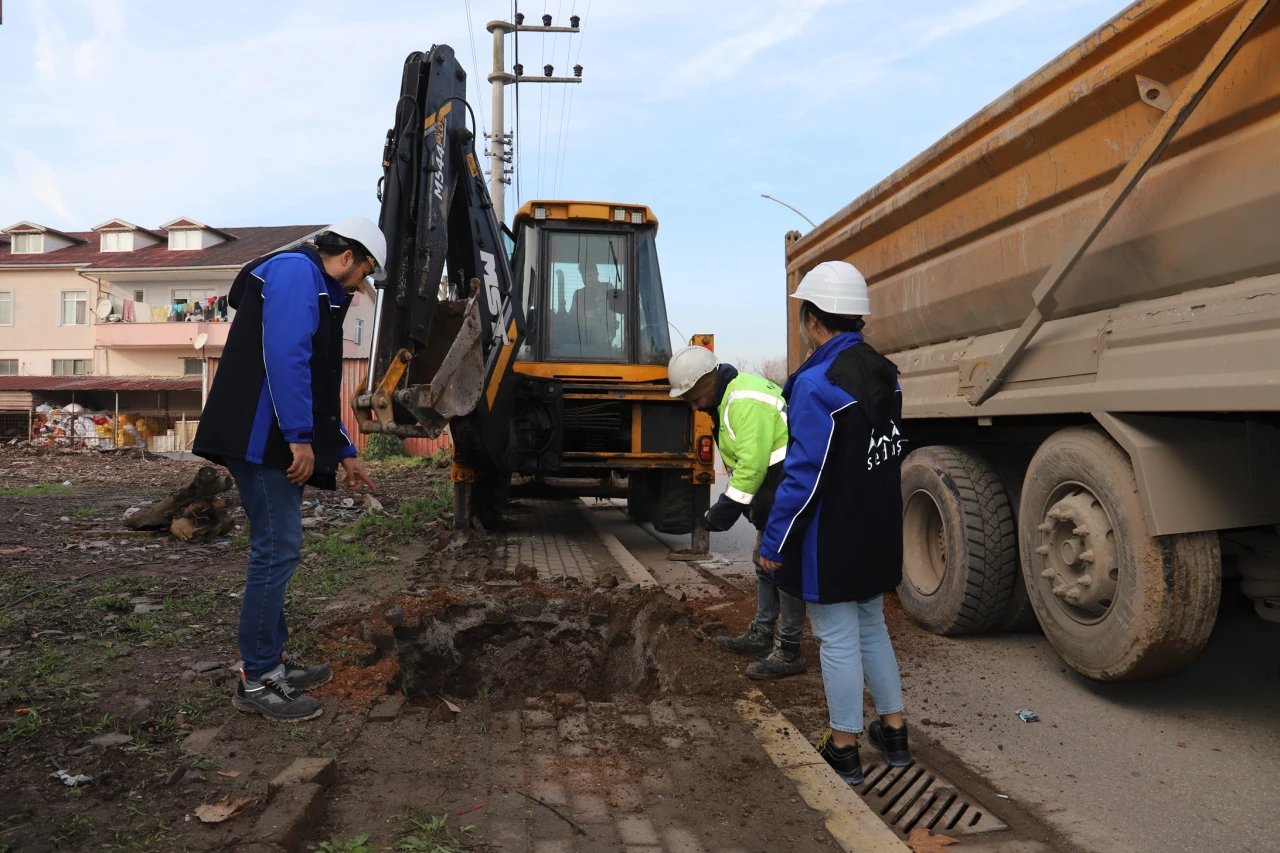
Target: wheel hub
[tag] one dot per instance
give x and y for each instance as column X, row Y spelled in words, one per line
column 1078, row 547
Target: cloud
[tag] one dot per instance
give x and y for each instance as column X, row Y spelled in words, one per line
column 37, row 178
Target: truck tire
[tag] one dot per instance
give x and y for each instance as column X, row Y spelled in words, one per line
column 673, row 507
column 960, row 548
column 1012, row 467
column 640, row 496
column 1115, row 602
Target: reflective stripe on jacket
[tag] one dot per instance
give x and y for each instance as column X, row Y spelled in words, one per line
column 752, row 434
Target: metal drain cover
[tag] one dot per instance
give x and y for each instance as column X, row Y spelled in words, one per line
column 917, row 796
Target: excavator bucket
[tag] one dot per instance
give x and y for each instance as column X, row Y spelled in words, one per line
column 454, row 381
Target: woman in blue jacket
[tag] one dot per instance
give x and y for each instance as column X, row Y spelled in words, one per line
column 834, row 535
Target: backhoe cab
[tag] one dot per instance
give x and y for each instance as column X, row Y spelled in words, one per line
column 543, row 350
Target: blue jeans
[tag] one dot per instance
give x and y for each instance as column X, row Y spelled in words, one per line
column 772, row 603
column 273, row 506
column 855, row 642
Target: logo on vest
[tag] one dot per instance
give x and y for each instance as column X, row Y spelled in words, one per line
column 883, row 448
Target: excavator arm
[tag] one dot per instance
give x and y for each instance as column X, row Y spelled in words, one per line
column 447, row 322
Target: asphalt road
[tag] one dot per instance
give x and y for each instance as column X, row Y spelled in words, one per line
column 1187, row 763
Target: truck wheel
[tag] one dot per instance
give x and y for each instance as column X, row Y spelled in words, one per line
column 1012, row 466
column 1116, row 603
column 673, row 507
column 960, row 548
column 640, row 496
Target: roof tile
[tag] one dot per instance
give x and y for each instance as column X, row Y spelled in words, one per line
column 248, row 244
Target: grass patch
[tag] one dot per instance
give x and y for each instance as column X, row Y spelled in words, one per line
column 83, row 512
column 431, row 834
column 41, row 490
column 23, row 725
column 359, row 844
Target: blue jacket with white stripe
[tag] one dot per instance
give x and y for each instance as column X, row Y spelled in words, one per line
column 836, row 521
column 280, row 376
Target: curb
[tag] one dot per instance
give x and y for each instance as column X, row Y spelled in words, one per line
column 635, row 570
column 850, row 821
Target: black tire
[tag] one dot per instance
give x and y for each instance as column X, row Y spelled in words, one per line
column 960, row 551
column 641, row 492
column 1012, row 467
column 1149, row 602
column 489, row 494
column 673, row 508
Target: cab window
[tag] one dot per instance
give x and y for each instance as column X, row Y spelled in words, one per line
column 589, row 296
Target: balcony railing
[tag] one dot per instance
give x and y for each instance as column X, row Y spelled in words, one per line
column 121, row 335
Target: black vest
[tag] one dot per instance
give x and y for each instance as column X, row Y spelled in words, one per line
column 226, row 428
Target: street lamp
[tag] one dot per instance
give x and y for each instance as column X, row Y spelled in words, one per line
column 784, row 204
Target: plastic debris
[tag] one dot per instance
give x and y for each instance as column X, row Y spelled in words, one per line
column 71, row 780
column 1029, row 716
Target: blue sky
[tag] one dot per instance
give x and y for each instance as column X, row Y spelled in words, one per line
column 251, row 113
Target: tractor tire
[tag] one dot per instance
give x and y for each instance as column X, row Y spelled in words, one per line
column 1011, row 466
column 960, row 551
column 1115, row 602
column 672, row 511
column 641, row 495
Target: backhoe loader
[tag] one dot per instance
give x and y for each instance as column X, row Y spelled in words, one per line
column 542, row 349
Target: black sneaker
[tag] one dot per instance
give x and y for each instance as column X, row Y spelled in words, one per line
column 843, row 759
column 301, row 677
column 756, row 641
column 892, row 742
column 274, row 699
column 785, row 660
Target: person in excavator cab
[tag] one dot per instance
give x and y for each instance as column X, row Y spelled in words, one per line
column 750, row 420
column 597, row 311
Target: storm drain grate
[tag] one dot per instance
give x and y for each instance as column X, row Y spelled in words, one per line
column 916, row 796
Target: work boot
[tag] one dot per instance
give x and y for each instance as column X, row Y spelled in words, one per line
column 892, row 742
column 843, row 759
column 756, row 641
column 301, row 677
column 785, row 659
column 274, row 698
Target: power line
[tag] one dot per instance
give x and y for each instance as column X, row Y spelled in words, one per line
column 577, row 59
column 475, row 66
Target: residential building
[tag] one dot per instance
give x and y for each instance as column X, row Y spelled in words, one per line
column 129, row 302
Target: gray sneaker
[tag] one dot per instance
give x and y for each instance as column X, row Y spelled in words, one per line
column 786, row 659
column 756, row 641
column 302, row 677
column 275, row 699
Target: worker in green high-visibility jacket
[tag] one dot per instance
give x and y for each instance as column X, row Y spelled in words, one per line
column 750, row 418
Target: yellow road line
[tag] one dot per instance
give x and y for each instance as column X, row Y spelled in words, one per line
column 851, row 821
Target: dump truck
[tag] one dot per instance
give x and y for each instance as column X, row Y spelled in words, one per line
column 542, row 348
column 1080, row 286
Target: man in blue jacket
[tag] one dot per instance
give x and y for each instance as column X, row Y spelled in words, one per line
column 273, row 418
column 834, row 535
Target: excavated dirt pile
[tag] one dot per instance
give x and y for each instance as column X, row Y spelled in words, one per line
column 507, row 642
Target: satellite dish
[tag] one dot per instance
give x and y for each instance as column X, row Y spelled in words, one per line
column 103, row 311
column 201, row 340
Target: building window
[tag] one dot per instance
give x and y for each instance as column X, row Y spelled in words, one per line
column 357, row 331
column 6, row 308
column 139, row 296
column 28, row 244
column 183, row 295
column 75, row 308
column 117, row 241
column 193, row 366
column 71, row 367
column 8, row 367
column 184, row 238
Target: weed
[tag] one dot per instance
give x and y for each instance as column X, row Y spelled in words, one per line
column 23, row 725
column 145, row 625
column 484, row 693
column 297, row 733
column 83, row 512
column 50, row 662
column 40, row 490
column 83, row 728
column 430, row 834
column 206, row 763
column 359, row 844
column 109, row 602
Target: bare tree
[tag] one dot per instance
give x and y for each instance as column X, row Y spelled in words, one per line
column 774, row 369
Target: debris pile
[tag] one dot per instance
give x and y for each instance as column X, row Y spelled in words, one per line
column 191, row 512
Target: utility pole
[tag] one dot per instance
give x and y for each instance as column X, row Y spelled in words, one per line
column 499, row 140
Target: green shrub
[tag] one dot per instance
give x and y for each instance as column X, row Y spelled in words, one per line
column 381, row 447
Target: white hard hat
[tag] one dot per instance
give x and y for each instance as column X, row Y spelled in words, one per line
column 687, row 366
column 367, row 234
column 837, row 288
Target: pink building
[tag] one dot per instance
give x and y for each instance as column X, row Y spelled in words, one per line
column 130, row 303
